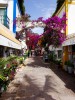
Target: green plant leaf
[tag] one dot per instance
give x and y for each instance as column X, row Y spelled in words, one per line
column 2, row 77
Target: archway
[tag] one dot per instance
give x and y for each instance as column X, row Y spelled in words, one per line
column 53, row 29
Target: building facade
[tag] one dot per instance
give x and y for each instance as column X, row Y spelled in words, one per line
column 9, row 10
column 69, row 44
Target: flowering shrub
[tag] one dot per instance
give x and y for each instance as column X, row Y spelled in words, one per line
column 8, row 65
column 7, row 70
column 32, row 40
column 14, row 63
column 11, row 75
column 54, row 31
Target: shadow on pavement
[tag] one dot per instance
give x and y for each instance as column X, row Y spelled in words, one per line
column 68, row 79
column 37, row 62
column 31, row 91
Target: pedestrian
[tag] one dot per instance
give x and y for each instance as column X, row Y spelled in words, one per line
column 31, row 53
column 28, row 53
column 35, row 53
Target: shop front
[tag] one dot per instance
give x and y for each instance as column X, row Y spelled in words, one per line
column 69, row 48
column 8, row 43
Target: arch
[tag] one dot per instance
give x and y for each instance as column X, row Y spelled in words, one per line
column 31, row 24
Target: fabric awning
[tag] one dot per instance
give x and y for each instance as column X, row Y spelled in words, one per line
column 70, row 40
column 7, row 38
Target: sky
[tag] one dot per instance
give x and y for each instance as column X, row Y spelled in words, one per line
column 40, row 8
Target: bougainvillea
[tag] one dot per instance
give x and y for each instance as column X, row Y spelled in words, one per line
column 54, row 31
column 32, row 39
column 21, row 21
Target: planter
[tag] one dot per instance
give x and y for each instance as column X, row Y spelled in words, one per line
column 65, row 68
column 70, row 66
column 70, row 70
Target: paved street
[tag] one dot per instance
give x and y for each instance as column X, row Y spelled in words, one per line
column 40, row 81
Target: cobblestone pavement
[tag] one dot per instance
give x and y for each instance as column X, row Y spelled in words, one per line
column 40, row 81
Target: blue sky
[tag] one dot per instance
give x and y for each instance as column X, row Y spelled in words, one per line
column 40, row 8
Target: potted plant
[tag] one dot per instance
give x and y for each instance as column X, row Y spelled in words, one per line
column 70, row 66
column 65, row 66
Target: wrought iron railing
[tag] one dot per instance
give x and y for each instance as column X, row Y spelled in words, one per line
column 4, row 20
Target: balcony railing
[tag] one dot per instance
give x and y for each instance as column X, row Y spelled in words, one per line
column 4, row 20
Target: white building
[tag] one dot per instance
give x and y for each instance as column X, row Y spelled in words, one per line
column 69, row 44
column 9, row 10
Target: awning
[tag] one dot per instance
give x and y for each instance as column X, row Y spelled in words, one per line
column 7, row 38
column 70, row 40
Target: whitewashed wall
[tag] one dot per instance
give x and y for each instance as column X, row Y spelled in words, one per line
column 10, row 14
column 9, row 11
column 18, row 14
column 17, row 11
column 71, row 19
column 3, row 1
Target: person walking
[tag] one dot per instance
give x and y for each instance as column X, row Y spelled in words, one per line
column 31, row 53
column 28, row 53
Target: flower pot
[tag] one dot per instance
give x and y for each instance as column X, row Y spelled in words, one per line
column 65, row 68
column 70, row 70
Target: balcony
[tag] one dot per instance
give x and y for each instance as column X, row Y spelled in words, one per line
column 4, row 20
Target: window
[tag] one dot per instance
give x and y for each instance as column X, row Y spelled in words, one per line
column 2, row 15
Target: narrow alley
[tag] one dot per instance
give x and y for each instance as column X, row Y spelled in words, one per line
column 40, row 81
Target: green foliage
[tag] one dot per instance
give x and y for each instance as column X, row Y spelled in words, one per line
column 52, row 57
column 2, row 78
column 7, row 70
column 21, row 60
column 3, row 62
column 65, row 63
column 69, row 63
column 25, row 55
column 12, row 57
column 58, row 62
